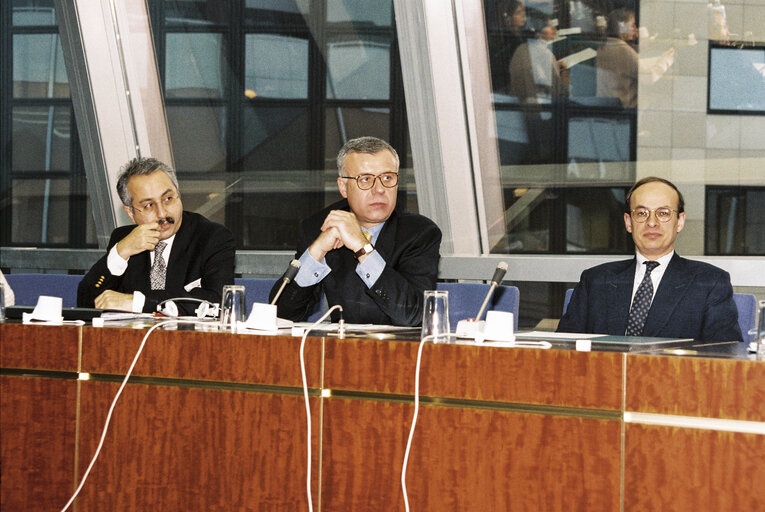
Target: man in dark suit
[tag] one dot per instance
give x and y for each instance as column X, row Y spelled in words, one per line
column 364, row 253
column 169, row 253
column 657, row 293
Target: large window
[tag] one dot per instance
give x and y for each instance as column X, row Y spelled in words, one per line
column 590, row 96
column 42, row 185
column 261, row 95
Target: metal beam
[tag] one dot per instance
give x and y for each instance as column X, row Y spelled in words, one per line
column 110, row 59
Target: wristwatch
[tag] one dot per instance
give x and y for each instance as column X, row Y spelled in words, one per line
column 368, row 247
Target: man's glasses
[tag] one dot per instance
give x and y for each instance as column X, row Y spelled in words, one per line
column 641, row 215
column 151, row 206
column 367, row 181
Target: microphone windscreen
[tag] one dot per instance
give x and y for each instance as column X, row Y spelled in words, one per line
column 292, row 270
column 499, row 273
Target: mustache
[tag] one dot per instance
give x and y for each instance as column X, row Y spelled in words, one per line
column 168, row 219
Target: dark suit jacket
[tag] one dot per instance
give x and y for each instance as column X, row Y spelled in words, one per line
column 201, row 249
column 408, row 243
column 694, row 300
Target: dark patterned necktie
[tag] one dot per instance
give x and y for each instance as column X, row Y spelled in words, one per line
column 642, row 302
column 158, row 268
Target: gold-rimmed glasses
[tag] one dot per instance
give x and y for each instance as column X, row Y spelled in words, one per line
column 151, row 206
column 663, row 214
column 367, row 181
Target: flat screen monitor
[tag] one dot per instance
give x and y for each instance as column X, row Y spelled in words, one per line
column 736, row 78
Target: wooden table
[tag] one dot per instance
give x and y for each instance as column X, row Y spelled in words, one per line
column 216, row 422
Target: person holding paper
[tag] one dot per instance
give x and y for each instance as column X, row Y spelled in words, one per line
column 168, row 253
column 363, row 252
column 656, row 293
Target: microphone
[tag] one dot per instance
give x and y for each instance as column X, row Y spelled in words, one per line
column 288, row 276
column 499, row 273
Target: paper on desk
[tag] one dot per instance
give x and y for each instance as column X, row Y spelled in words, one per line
column 333, row 327
column 543, row 335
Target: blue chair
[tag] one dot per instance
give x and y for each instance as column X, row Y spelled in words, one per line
column 257, row 289
column 28, row 287
column 465, row 299
column 567, row 299
column 746, row 303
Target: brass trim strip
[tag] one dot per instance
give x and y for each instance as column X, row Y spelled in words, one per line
column 550, row 410
column 555, row 410
column 162, row 381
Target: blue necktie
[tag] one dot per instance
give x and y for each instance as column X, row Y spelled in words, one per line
column 641, row 303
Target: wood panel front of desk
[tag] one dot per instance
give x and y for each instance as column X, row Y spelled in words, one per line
column 217, row 422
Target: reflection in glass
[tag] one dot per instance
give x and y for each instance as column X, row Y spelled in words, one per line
column 345, row 123
column 40, row 211
column 735, row 223
column 277, row 12
column 41, row 138
column 38, row 67
column 358, row 69
column 33, row 12
column 197, row 135
column 361, row 12
column 275, row 66
column 275, row 138
column 195, row 66
column 595, row 220
column 204, row 12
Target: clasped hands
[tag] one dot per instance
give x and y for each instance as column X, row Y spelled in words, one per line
column 144, row 237
column 340, row 229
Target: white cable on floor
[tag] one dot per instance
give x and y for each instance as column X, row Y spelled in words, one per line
column 414, row 418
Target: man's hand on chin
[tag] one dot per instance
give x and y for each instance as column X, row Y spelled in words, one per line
column 115, row 300
column 143, row 237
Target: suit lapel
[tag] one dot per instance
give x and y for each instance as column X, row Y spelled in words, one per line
column 673, row 286
column 620, row 285
column 386, row 240
column 178, row 251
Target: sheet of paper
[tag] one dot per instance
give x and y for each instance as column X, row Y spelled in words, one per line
column 543, row 335
column 575, row 58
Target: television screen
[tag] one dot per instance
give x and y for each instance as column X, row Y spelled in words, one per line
column 736, row 78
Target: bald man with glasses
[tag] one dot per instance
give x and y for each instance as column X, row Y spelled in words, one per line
column 657, row 293
column 363, row 252
column 169, row 253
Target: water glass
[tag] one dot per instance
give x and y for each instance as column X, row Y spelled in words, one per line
column 2, row 302
column 435, row 315
column 233, row 308
column 760, row 339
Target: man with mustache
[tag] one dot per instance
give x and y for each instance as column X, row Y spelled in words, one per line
column 169, row 253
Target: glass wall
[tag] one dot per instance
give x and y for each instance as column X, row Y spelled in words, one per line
column 589, row 96
column 261, row 95
column 42, row 187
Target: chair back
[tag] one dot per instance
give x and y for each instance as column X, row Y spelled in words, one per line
column 746, row 303
column 567, row 299
column 256, row 289
column 28, row 287
column 465, row 299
